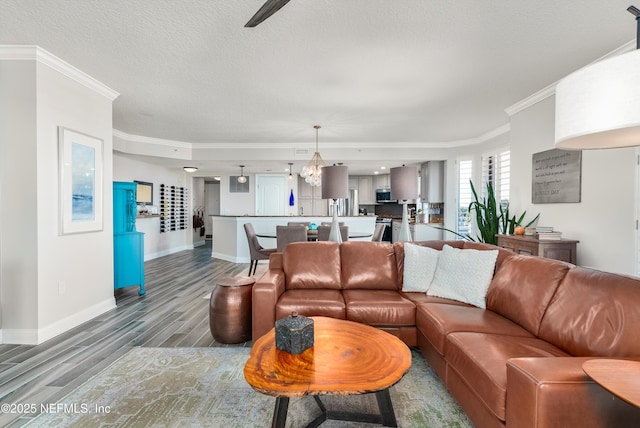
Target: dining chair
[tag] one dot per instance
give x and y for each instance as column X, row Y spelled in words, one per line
column 288, row 234
column 323, row 233
column 328, row 223
column 256, row 251
column 299, row 223
column 378, row 232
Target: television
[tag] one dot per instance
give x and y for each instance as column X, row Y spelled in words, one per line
column 144, row 193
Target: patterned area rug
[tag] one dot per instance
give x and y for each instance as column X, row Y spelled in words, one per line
column 205, row 387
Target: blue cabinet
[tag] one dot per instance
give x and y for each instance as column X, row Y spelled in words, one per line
column 128, row 244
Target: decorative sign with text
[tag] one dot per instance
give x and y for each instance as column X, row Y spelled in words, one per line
column 557, row 176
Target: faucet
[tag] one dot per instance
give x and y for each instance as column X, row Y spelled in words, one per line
column 301, row 210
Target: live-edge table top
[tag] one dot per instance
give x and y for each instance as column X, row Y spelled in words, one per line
column 347, row 358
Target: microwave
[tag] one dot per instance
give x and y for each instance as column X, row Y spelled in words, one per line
column 383, row 196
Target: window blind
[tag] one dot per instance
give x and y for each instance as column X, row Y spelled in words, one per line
column 465, row 170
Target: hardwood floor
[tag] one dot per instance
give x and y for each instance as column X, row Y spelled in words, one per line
column 173, row 313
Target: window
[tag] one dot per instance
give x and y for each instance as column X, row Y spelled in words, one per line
column 465, row 169
column 496, row 170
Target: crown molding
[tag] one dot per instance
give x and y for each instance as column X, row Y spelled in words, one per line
column 551, row 89
column 151, row 140
column 36, row 53
column 309, row 146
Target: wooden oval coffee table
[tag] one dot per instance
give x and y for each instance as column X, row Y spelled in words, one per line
column 347, row 358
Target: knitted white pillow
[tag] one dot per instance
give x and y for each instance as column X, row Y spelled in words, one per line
column 419, row 266
column 464, row 275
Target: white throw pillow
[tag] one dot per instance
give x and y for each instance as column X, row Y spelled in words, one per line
column 464, row 275
column 419, row 267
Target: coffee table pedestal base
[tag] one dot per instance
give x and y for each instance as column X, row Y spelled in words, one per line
column 386, row 417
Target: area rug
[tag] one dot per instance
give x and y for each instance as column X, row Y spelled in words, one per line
column 205, row 387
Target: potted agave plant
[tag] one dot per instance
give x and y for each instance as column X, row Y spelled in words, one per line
column 492, row 218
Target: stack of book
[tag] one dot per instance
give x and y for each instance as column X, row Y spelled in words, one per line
column 547, row 233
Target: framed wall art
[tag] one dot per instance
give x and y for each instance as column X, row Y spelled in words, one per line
column 80, row 182
column 557, row 176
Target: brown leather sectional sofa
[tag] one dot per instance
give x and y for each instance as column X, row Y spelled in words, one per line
column 517, row 363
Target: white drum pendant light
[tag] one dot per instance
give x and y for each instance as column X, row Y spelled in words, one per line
column 598, row 106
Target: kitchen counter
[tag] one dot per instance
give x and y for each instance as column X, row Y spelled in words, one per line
column 229, row 240
column 419, row 231
column 293, row 218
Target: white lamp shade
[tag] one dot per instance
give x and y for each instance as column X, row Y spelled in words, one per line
column 598, row 106
column 404, row 183
column 335, row 182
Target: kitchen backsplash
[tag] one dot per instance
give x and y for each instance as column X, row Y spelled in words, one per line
column 391, row 210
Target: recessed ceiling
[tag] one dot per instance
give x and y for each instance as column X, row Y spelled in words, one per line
column 374, row 73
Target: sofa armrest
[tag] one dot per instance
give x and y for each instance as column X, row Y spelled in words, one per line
column 556, row 392
column 265, row 295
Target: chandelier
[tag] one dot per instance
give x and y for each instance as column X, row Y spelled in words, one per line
column 313, row 170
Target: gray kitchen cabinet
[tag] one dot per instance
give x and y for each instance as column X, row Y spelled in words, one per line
column 366, row 191
column 310, row 199
column 382, row 181
column 353, row 182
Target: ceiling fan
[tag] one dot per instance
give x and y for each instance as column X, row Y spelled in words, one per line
column 269, row 8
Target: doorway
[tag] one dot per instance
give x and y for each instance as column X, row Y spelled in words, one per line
column 271, row 194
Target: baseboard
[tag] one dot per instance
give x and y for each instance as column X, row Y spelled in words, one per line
column 152, row 256
column 199, row 244
column 229, row 258
column 38, row 336
column 24, row 336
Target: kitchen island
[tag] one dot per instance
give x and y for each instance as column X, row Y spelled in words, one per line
column 229, row 240
column 419, row 231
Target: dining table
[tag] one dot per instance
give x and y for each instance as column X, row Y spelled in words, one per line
column 312, row 235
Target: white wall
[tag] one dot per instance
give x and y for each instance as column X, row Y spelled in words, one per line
column 156, row 244
column 18, row 198
column 211, row 198
column 237, row 203
column 36, row 260
column 604, row 221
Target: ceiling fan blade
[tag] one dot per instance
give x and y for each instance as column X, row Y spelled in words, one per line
column 269, row 8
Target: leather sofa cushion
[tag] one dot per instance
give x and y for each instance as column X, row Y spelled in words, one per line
column 418, row 297
column 311, row 302
column 368, row 265
column 312, row 265
column 480, row 360
column 379, row 308
column 437, row 320
column 594, row 313
column 522, row 288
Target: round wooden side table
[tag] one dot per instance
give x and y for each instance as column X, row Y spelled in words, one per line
column 230, row 310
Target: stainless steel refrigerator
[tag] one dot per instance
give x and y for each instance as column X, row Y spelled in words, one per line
column 348, row 206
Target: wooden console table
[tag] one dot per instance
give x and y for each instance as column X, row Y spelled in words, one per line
column 558, row 249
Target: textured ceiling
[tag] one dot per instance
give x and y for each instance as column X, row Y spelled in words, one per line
column 368, row 71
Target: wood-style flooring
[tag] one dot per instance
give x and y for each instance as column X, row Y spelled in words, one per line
column 173, row 313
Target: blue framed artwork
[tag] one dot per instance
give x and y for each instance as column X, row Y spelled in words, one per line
column 80, row 182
